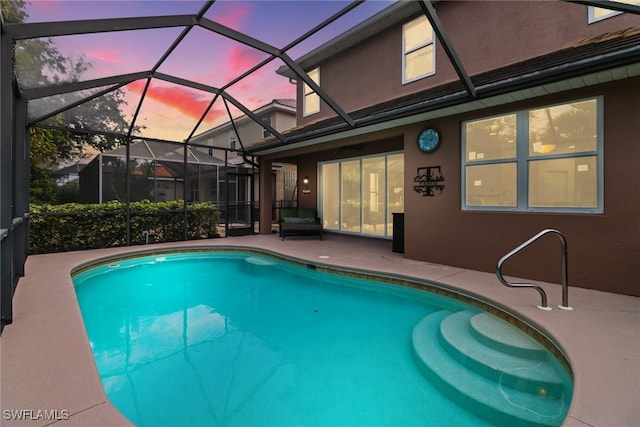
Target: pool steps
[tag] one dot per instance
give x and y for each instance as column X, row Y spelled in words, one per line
column 522, row 373
column 493, row 332
column 506, row 383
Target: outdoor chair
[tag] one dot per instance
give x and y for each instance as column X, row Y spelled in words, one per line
column 299, row 222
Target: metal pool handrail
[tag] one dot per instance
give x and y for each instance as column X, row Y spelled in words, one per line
column 543, row 295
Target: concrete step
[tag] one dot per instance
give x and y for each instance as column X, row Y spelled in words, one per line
column 474, row 392
column 528, row 374
column 498, row 334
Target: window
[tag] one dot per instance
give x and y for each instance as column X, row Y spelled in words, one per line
column 418, row 58
column 311, row 102
column 359, row 195
column 266, row 120
column 233, row 140
column 599, row 13
column 544, row 159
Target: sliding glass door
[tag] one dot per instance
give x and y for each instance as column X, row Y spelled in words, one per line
column 330, row 180
column 358, row 195
column 373, row 200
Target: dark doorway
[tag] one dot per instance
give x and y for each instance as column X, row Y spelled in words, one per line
column 240, row 215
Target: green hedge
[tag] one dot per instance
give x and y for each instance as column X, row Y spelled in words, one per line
column 72, row 226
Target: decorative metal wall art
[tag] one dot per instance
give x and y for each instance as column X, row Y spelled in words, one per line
column 428, row 179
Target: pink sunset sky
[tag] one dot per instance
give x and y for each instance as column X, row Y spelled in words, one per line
column 171, row 111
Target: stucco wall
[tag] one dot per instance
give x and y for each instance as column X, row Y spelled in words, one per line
column 604, row 249
column 283, row 121
column 485, row 35
column 249, row 131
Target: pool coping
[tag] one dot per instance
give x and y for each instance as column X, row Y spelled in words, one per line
column 47, row 362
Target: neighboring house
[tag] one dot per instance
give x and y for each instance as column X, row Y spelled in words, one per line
column 538, row 128
column 244, row 132
column 68, row 174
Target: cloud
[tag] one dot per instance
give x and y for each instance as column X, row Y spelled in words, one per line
column 232, row 14
column 234, row 61
column 103, row 55
column 286, row 89
column 184, row 100
column 240, row 58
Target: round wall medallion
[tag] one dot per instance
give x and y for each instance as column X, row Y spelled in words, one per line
column 428, row 140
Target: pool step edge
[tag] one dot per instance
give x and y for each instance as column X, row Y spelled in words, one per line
column 520, row 372
column 472, row 391
column 496, row 333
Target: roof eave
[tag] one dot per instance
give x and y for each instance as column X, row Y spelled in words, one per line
column 274, row 105
column 580, row 68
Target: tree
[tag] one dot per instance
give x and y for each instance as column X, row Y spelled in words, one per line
column 39, row 63
column 43, row 156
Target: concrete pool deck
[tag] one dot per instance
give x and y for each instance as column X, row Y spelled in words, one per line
column 46, row 362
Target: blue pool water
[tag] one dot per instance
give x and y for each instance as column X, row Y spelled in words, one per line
column 240, row 339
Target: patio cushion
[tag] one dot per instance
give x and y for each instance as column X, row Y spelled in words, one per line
column 307, row 213
column 288, row 212
column 298, row 220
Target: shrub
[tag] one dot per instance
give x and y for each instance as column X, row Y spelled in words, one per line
column 73, row 226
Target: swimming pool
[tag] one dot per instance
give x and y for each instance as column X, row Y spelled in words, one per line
column 246, row 338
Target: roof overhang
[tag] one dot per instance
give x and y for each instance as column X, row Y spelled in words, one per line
column 452, row 104
column 392, row 15
column 266, row 109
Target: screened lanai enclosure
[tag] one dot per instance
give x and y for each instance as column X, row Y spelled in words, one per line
column 160, row 172
column 124, row 89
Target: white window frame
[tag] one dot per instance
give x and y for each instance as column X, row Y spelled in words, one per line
column 405, row 52
column 308, row 92
column 592, row 11
column 523, row 158
column 321, row 190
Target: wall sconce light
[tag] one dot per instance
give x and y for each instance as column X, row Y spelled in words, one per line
column 306, row 189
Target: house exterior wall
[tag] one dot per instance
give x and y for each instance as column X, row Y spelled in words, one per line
column 249, row 131
column 282, row 121
column 604, row 249
column 371, row 71
column 280, row 176
column 370, row 144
